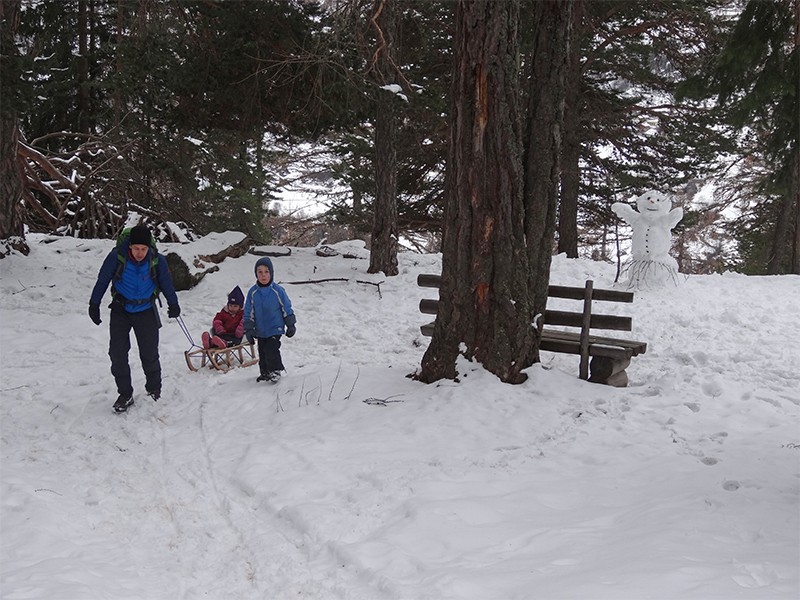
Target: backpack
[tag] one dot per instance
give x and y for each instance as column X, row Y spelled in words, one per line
column 122, row 260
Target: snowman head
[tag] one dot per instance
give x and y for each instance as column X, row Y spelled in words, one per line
column 653, row 203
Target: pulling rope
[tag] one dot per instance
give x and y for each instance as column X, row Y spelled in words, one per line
column 185, row 331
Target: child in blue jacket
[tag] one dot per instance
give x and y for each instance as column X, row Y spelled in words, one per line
column 268, row 315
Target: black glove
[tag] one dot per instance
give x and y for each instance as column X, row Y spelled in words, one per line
column 290, row 321
column 174, row 311
column 250, row 338
column 94, row 313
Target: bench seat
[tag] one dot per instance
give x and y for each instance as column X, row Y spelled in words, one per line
column 568, row 342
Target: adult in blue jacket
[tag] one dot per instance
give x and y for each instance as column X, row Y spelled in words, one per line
column 267, row 316
column 137, row 274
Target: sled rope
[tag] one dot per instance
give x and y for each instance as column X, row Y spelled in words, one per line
column 186, row 331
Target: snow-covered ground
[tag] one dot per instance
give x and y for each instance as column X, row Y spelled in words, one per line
column 348, row 480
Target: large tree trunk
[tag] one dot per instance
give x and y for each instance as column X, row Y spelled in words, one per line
column 83, row 66
column 795, row 192
column 796, row 167
column 11, row 179
column 571, row 146
column 779, row 257
column 552, row 32
column 485, row 312
column 383, row 250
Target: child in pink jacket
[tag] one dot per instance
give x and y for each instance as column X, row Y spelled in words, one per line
column 227, row 328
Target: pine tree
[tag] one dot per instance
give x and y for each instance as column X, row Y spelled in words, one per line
column 757, row 79
column 12, row 232
column 623, row 130
column 499, row 188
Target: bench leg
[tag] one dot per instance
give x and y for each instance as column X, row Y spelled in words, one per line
column 609, row 371
column 618, row 380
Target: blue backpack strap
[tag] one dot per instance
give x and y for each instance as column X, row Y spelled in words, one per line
column 122, row 260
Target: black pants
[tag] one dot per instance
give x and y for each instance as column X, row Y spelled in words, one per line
column 230, row 338
column 269, row 354
column 145, row 326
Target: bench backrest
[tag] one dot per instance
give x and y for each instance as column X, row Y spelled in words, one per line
column 585, row 320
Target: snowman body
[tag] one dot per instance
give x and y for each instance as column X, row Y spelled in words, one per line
column 650, row 262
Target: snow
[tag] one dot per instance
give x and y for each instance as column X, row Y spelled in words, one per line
column 395, row 89
column 349, row 480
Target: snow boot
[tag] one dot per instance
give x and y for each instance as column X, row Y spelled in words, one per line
column 155, row 395
column 274, row 376
column 218, row 342
column 122, row 403
column 206, row 340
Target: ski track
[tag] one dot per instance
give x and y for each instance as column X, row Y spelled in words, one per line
column 271, row 546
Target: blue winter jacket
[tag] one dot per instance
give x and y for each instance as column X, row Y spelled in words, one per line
column 135, row 283
column 267, row 308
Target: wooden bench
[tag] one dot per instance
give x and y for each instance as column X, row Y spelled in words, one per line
column 603, row 359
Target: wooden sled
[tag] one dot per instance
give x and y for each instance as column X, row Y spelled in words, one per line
column 222, row 359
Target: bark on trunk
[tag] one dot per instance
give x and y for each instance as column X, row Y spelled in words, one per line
column 781, row 243
column 485, row 309
column 83, row 66
column 571, row 146
column 553, row 27
column 796, row 194
column 11, row 178
column 383, row 250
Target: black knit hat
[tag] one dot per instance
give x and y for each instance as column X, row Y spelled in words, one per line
column 140, row 235
column 236, row 296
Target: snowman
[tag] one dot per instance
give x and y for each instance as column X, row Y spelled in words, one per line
column 650, row 264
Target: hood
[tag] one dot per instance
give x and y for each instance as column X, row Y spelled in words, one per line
column 266, row 261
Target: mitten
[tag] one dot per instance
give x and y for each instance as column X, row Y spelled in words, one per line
column 290, row 321
column 174, row 311
column 249, row 331
column 94, row 314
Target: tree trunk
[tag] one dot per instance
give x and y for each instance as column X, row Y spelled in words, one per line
column 795, row 191
column 796, row 164
column 383, row 250
column 11, row 177
column 552, row 33
column 485, row 312
column 83, row 66
column 778, row 261
column 571, row 146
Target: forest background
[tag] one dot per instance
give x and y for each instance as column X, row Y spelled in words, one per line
column 199, row 114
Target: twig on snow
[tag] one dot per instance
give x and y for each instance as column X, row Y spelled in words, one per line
column 382, row 401
column 33, row 286
column 377, row 285
column 335, row 379
column 309, row 393
column 350, row 393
